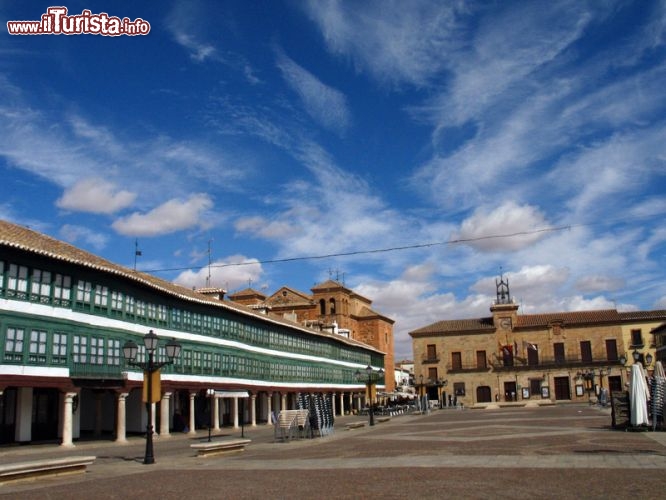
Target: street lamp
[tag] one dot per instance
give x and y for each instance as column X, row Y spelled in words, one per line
column 369, row 376
column 210, row 393
column 130, row 351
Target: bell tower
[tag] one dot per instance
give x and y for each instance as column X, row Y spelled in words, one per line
column 505, row 311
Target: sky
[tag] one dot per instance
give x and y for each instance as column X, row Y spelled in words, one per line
column 414, row 150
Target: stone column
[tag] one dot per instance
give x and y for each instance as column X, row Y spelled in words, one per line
column 333, row 403
column 165, row 414
column 67, row 420
column 216, row 412
column 121, row 417
column 283, row 402
column 253, row 409
column 269, row 408
column 342, row 404
column 192, row 420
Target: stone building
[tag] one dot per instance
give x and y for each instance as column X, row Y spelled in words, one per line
column 331, row 307
column 512, row 357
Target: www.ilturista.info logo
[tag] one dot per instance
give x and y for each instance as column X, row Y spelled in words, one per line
column 55, row 21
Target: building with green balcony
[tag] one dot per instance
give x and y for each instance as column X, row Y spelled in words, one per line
column 65, row 315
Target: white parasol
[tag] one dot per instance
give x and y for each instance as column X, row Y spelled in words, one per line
column 658, row 391
column 638, row 396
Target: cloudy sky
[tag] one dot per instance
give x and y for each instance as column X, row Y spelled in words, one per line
column 294, row 139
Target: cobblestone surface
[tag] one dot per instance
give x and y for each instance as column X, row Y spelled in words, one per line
column 566, row 451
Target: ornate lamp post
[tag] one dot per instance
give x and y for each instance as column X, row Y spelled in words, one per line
column 130, row 351
column 211, row 394
column 369, row 376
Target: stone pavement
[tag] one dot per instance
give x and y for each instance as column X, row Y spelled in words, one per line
column 564, row 451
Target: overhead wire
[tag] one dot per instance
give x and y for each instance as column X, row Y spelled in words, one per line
column 370, row 251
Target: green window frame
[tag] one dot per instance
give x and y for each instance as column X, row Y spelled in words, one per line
column 14, row 343
column 62, row 290
column 37, row 346
column 40, row 286
column 113, row 352
column 59, row 348
column 80, row 348
column 83, row 293
column 17, row 281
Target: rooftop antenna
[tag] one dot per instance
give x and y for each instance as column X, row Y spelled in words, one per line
column 137, row 252
column 208, row 277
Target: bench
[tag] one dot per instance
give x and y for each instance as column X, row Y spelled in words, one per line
column 42, row 468
column 354, row 425
column 220, row 447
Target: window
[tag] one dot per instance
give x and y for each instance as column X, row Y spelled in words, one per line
column 117, row 303
column 37, row 347
column 558, row 350
column 83, row 292
column 151, row 311
column 332, row 303
column 532, row 355
column 586, row 351
column 481, row 360
column 636, row 338
column 101, row 297
column 140, row 309
column 322, row 306
column 59, row 348
column 611, row 350
column 431, row 352
column 80, row 349
column 17, row 282
column 96, row 350
column 40, row 289
column 456, row 361
column 459, row 388
column 432, row 374
column 14, row 344
column 130, row 305
column 113, row 352
column 207, row 361
column 62, row 290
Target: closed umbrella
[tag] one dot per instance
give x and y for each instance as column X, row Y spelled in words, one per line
column 658, row 390
column 638, row 395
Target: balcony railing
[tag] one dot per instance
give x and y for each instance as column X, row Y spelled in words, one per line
column 523, row 364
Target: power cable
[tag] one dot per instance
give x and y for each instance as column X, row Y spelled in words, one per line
column 371, row 251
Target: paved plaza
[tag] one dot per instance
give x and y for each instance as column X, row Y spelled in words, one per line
column 564, row 451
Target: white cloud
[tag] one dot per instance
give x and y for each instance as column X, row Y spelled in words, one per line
column 172, row 216
column 95, row 195
column 596, row 283
column 324, row 104
column 223, row 274
column 75, row 234
column 393, row 43
column 480, row 230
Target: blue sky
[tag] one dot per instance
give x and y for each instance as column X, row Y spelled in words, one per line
column 276, row 130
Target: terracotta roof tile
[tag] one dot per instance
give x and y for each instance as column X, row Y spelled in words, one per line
column 456, row 325
column 657, row 315
column 568, row 318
